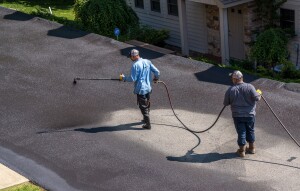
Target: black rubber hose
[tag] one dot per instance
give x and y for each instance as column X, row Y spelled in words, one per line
column 280, row 121
column 192, row 131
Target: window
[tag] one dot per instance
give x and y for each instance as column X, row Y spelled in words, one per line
column 172, row 7
column 139, row 3
column 155, row 5
column 287, row 19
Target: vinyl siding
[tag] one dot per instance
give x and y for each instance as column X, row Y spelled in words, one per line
column 159, row 20
column 197, row 30
column 196, row 22
column 294, row 5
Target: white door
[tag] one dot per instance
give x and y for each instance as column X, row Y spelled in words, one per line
column 236, row 33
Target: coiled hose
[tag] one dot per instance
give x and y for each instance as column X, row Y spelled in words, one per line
column 194, row 132
column 185, row 127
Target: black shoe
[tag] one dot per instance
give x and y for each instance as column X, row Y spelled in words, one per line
column 146, row 126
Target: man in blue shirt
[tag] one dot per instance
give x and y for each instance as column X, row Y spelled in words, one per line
column 242, row 98
column 141, row 71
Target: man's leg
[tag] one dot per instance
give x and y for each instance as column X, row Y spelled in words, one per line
column 250, row 135
column 241, row 131
column 144, row 105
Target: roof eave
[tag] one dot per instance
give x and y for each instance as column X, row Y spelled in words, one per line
column 220, row 4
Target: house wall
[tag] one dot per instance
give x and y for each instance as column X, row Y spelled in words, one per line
column 204, row 26
column 294, row 5
column 250, row 22
column 159, row 20
column 197, row 33
column 251, row 25
column 213, row 30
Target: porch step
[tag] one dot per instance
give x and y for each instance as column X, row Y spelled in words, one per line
column 150, row 47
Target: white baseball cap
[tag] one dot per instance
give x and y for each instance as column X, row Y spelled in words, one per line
column 236, row 74
column 133, row 52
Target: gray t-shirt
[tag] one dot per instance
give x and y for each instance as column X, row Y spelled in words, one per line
column 242, row 99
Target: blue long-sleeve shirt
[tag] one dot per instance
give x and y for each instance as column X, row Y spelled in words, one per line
column 141, row 71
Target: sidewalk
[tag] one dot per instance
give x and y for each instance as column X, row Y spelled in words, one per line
column 10, row 178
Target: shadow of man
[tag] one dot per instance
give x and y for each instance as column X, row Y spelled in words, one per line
column 122, row 127
column 202, row 158
column 212, row 157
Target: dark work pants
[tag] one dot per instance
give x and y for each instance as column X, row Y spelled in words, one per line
column 144, row 105
column 245, row 129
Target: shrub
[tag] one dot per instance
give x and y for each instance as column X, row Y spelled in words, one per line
column 270, row 48
column 102, row 16
column 207, row 60
column 149, row 35
column 262, row 71
column 289, row 71
column 244, row 64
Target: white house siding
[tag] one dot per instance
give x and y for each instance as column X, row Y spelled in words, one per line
column 197, row 35
column 294, row 5
column 197, row 30
column 159, row 20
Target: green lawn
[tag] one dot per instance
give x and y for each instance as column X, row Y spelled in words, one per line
column 24, row 187
column 60, row 8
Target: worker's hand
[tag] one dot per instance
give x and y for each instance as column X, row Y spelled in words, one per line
column 259, row 91
column 122, row 77
column 155, row 80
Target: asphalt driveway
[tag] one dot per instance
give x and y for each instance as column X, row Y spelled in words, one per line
column 88, row 136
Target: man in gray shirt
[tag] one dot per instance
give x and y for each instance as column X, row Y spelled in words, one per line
column 242, row 98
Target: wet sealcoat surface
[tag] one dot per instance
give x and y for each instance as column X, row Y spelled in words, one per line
column 88, row 136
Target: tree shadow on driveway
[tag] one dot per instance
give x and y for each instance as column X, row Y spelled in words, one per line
column 220, row 75
column 66, row 32
column 18, row 16
column 144, row 53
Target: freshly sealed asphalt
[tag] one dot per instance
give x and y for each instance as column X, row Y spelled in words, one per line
column 88, row 136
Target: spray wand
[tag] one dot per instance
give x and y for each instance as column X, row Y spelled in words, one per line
column 75, row 79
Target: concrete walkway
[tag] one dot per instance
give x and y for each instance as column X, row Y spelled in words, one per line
column 10, row 178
